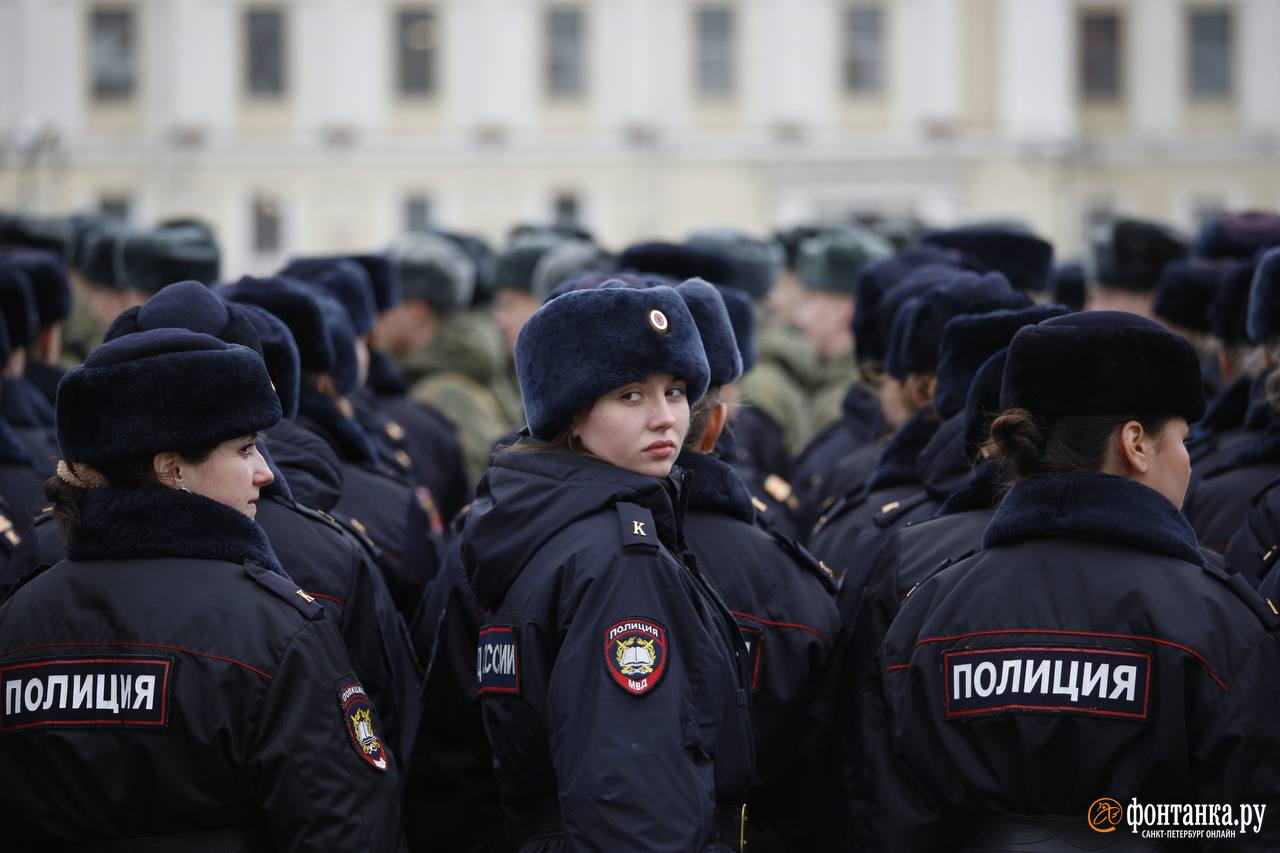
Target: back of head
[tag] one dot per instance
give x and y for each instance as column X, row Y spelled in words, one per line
column 298, row 307
column 1238, row 235
column 1069, row 285
column 1023, row 258
column 343, row 280
column 678, row 261
column 832, row 261
column 434, row 269
column 1130, row 254
column 50, row 288
column 384, row 278
column 756, row 262
column 17, row 302
column 146, row 261
column 1186, row 291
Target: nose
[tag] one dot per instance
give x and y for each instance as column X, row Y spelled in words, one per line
column 663, row 416
column 262, row 475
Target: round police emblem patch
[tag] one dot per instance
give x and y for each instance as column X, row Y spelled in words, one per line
column 659, row 321
column 635, row 653
column 358, row 714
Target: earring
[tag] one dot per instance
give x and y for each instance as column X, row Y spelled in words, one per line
column 188, row 491
column 1143, row 468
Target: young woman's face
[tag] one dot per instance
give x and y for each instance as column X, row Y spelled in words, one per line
column 638, row 427
column 233, row 474
column 1169, row 464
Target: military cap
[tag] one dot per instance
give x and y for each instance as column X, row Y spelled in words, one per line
column 1102, row 362
column 163, row 389
column 280, row 352
column 1238, row 235
column 832, row 261
column 1130, row 254
column 49, row 286
column 384, row 277
column 982, row 402
column 585, row 343
column 482, row 256
column 874, row 281
column 1022, row 257
column 1264, row 298
column 1229, row 308
column 175, row 251
column 757, row 262
column 94, row 249
column 922, row 279
column 743, row 317
column 516, row 263
column 560, row 230
column 343, row 280
column 724, row 361
column 435, row 270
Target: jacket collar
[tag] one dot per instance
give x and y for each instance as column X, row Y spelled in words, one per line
column 344, row 434
column 942, row 465
column 715, row 487
column 384, row 380
column 983, row 490
column 1264, row 448
column 1093, row 505
column 155, row 521
column 312, row 469
column 1226, row 410
column 897, row 466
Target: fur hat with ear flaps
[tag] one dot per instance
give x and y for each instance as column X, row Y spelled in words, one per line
column 716, row 329
column 165, row 389
column 587, row 342
column 1102, row 362
column 1264, row 298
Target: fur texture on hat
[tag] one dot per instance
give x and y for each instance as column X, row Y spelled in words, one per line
column 563, row 262
column 968, row 340
column 49, row 285
column 756, row 262
column 587, row 342
column 1102, row 362
column 707, row 306
column 874, row 281
column 383, row 277
column 743, row 317
column 435, row 270
column 1264, row 298
column 1239, row 235
column 48, row 233
column 1130, row 254
column 1186, row 292
column 166, row 389
column 18, row 305
column 298, row 307
column 280, row 352
column 181, row 250
column 831, row 262
column 516, row 263
column 982, row 402
column 343, row 280
column 677, row 261
column 913, row 345
column 481, row 255
column 95, row 251
column 1229, row 310
column 1069, row 285
column 1022, row 257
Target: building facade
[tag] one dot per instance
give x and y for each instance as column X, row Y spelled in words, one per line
column 331, row 125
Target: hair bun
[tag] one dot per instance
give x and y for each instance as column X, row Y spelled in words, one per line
column 1019, row 438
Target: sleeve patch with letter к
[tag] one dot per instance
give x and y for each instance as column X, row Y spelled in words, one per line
column 635, row 653
column 358, row 714
column 1104, row 682
column 86, row 691
column 498, row 661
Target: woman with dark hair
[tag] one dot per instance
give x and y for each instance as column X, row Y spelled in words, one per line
column 1088, row 650
column 608, row 675
column 166, row 687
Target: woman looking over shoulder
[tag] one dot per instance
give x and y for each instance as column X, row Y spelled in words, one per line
column 166, row 686
column 1088, row 650
column 608, row 672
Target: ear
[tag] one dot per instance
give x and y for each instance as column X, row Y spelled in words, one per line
column 715, row 425
column 167, row 466
column 1135, row 447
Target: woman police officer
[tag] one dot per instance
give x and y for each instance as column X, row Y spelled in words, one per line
column 165, row 686
column 608, row 672
column 1088, row 651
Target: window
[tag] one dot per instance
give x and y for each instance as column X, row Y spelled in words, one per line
column 1209, row 53
column 714, row 71
column 417, row 212
column 863, row 58
column 113, row 51
column 565, row 52
column 264, row 53
column 565, row 208
column 415, row 38
column 1100, row 56
column 115, row 206
column 267, row 225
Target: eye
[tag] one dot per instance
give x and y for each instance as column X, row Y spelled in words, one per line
column 247, row 449
column 676, row 391
column 631, row 396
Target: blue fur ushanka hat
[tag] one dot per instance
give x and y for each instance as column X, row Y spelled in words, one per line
column 1102, row 362
column 1130, row 254
column 280, row 352
column 341, row 279
column 587, row 342
column 710, row 314
column 1229, row 308
column 970, row 339
column 756, row 261
column 677, row 261
column 300, row 308
column 18, row 305
column 165, row 389
column 177, row 251
column 49, row 285
column 1186, row 292
column 384, row 277
column 50, row 233
column 743, row 317
column 1238, row 235
column 1264, row 298
column 1022, row 257
column 1069, row 285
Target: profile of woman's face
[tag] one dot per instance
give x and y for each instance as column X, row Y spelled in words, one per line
column 638, row 427
column 1169, row 464
column 233, row 475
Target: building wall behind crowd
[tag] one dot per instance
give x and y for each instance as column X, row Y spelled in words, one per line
column 326, row 125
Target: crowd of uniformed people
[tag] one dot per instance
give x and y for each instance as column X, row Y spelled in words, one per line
column 849, row 537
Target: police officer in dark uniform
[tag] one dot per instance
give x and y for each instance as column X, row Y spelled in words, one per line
column 51, row 293
column 608, row 674
column 1088, row 650
column 21, row 480
column 164, row 685
column 782, row 599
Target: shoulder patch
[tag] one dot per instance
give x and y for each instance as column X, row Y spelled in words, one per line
column 1072, row 680
column 635, row 654
column 498, row 661
column 361, row 722
column 637, row 526
column 95, row 690
column 285, row 589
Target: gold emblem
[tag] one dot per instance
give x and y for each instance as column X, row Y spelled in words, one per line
column 355, row 522
column 760, row 505
column 659, row 321
column 891, row 506
column 308, row 599
column 778, row 488
column 637, row 528
column 636, row 656
column 344, row 406
column 403, row 459
column 395, row 431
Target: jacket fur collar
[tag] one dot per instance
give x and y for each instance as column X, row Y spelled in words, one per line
column 344, row 434
column 715, row 487
column 897, row 466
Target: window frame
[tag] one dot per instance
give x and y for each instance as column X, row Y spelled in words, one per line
column 878, row 85
column 99, row 93
column 553, row 88
column 248, row 91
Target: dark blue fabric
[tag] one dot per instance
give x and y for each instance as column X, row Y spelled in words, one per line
column 897, row 465
column 1093, row 505
column 343, row 280
column 349, row 438
column 1022, row 257
column 1264, row 298
column 983, row 490
column 384, row 379
column 12, row 450
column 714, row 486
column 312, row 468
column 156, row 521
column 943, row 466
column 1226, row 411
column 23, row 405
column 716, row 328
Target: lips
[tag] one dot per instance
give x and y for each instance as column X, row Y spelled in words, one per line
column 661, row 449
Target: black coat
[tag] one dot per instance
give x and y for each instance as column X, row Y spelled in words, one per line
column 783, row 601
column 245, row 723
column 993, row 674
column 612, row 691
column 1217, row 504
column 21, row 483
column 26, row 409
column 1255, row 547
column 815, row 476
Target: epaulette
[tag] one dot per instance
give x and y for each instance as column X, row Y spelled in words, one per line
column 637, row 526
column 1264, row 608
column 806, row 561
column 780, row 490
column 845, row 504
column 894, row 510
column 353, row 527
column 285, row 589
